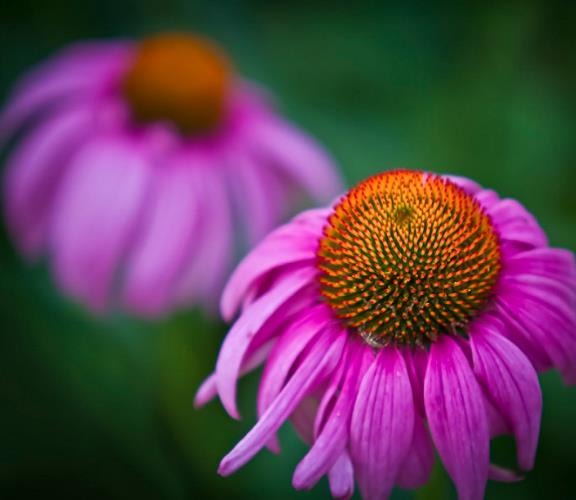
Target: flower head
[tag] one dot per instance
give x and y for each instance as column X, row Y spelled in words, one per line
column 411, row 315
column 141, row 162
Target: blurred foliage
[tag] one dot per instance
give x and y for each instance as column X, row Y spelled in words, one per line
column 103, row 408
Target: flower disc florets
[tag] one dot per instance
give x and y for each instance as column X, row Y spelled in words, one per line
column 407, row 256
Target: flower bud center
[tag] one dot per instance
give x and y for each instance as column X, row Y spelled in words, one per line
column 407, row 256
column 180, row 78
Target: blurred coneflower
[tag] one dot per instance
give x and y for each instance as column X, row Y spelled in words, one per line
column 412, row 315
column 141, row 165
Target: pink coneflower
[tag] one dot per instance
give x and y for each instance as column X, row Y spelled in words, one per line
column 410, row 316
column 145, row 164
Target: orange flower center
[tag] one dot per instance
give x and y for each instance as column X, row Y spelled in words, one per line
column 407, row 256
column 179, row 78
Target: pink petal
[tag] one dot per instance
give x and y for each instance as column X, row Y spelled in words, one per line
column 238, row 339
column 208, row 390
column 503, row 475
column 341, row 478
column 292, row 243
column 514, row 223
column 34, row 171
column 290, row 345
column 302, row 330
column 204, row 276
column 257, row 207
column 75, row 73
column 333, row 437
column 457, row 418
column 382, row 424
column 166, row 241
column 416, row 468
column 543, row 328
column 466, row 184
column 302, row 419
column 512, row 384
column 487, row 198
column 298, row 156
column 95, row 217
column 319, row 362
column 554, row 263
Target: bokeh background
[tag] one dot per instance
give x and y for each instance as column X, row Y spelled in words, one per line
column 103, row 408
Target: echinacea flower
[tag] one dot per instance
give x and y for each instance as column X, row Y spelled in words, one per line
column 412, row 315
column 142, row 164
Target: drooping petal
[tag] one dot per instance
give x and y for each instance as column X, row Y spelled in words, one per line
column 209, row 260
column 166, row 241
column 209, row 390
column 302, row 419
column 295, row 154
column 95, row 216
column 341, row 478
column 294, row 340
column 496, row 473
column 303, row 328
column 293, row 243
column 34, row 170
column 75, row 73
column 512, row 384
column 318, row 363
column 416, row 468
column 257, row 208
column 457, row 418
column 238, row 339
column 542, row 329
column 382, row 424
column 332, row 439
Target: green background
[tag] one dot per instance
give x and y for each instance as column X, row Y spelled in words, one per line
column 103, row 408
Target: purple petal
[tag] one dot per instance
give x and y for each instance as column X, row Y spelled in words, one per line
column 166, row 240
column 514, row 223
column 487, row 198
column 457, row 418
column 208, row 390
column 554, row 263
column 543, row 328
column 319, row 362
column 416, row 468
column 512, row 384
column 34, row 171
column 77, row 72
column 466, row 184
column 238, row 339
column 293, row 342
column 333, row 437
column 255, row 203
column 95, row 216
column 286, row 245
column 503, row 475
column 302, row 419
column 382, row 424
column 341, row 478
column 527, row 341
column 298, row 156
column 204, row 276
column 286, row 351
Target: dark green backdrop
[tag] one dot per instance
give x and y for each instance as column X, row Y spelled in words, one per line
column 103, row 409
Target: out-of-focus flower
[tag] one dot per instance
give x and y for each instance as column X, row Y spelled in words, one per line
column 145, row 164
column 411, row 315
